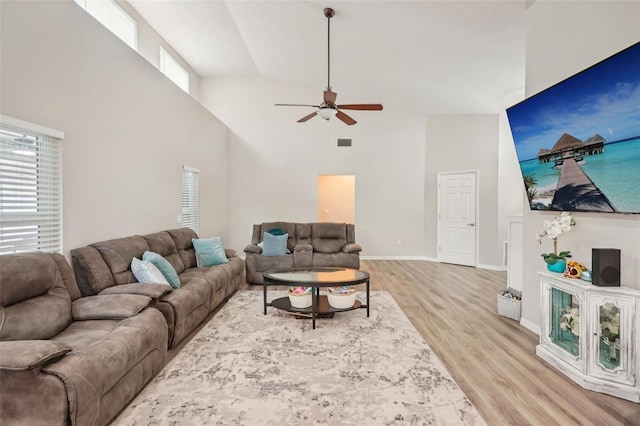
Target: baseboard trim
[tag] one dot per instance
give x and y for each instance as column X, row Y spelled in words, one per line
column 492, row 267
column 530, row 325
column 424, row 258
column 428, row 259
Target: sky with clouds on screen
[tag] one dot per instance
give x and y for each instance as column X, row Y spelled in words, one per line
column 603, row 99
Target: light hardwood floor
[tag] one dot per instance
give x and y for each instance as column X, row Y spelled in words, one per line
column 491, row 357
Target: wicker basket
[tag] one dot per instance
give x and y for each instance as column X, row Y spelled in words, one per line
column 300, row 300
column 510, row 308
column 342, row 300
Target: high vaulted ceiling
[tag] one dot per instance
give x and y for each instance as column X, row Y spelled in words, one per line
column 430, row 57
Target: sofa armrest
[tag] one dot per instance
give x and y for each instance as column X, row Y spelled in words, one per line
column 108, row 306
column 230, row 253
column 253, row 248
column 28, row 354
column 351, row 248
column 303, row 247
column 151, row 290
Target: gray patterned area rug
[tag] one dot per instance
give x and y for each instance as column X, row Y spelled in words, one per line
column 246, row 368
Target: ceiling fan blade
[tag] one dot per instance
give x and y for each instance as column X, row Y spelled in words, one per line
column 344, row 117
column 306, row 117
column 304, row 105
column 363, row 107
column 330, row 97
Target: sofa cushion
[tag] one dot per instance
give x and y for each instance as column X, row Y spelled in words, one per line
column 91, row 271
column 328, row 237
column 163, row 244
column 303, row 233
column 147, row 272
column 164, row 266
column 274, row 245
column 35, row 303
column 182, row 238
column 118, row 254
column 108, row 306
column 209, row 251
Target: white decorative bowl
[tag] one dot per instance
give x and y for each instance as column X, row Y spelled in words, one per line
column 300, row 301
column 342, row 300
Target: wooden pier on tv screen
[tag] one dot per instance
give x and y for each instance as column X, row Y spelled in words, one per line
column 576, row 191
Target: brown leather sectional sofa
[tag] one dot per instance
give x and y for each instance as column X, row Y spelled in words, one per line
column 76, row 348
column 67, row 359
column 105, row 268
column 309, row 244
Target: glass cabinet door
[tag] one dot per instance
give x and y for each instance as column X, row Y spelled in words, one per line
column 565, row 321
column 612, row 322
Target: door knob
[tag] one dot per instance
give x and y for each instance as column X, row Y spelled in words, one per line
column 471, row 224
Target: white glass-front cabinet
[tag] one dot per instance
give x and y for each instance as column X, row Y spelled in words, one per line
column 611, row 321
column 589, row 333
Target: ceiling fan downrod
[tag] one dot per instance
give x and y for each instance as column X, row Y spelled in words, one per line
column 328, row 12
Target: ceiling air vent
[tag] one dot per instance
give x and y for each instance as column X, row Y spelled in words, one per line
column 344, row 142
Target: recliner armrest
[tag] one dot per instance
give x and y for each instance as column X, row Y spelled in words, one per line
column 303, row 247
column 151, row 290
column 230, row 253
column 29, row 354
column 351, row 248
column 108, row 306
column 253, row 248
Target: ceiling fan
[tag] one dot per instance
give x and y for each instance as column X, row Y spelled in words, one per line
column 328, row 107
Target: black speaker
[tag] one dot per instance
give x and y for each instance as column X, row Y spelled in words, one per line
column 605, row 263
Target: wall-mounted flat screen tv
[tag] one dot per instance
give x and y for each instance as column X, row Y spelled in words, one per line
column 578, row 142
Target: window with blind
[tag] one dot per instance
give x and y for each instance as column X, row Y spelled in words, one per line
column 30, row 189
column 190, row 204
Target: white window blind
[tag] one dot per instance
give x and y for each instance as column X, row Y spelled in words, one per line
column 112, row 16
column 190, row 203
column 30, row 191
column 172, row 69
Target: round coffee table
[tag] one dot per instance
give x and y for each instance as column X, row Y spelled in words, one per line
column 315, row 278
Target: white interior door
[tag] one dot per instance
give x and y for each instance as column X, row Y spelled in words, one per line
column 457, row 218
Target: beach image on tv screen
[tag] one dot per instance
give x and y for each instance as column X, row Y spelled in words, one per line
column 578, row 142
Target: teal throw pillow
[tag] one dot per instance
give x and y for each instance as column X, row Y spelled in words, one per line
column 276, row 231
column 209, row 251
column 147, row 272
column 165, row 267
column 274, row 245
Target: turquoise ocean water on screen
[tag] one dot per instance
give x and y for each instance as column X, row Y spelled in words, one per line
column 616, row 172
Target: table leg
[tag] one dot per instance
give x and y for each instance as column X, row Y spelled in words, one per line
column 314, row 305
column 264, row 296
column 368, row 299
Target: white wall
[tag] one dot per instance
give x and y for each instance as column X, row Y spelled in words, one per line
column 275, row 162
column 564, row 38
column 464, row 143
column 128, row 128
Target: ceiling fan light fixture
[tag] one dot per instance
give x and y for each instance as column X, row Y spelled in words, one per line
column 327, row 113
column 328, row 108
